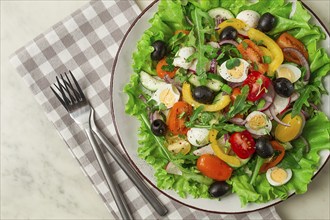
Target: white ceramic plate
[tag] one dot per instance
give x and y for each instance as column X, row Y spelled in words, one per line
column 127, row 126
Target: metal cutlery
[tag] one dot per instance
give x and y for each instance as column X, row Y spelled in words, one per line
column 70, row 94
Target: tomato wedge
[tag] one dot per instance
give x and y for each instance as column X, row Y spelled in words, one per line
column 163, row 69
column 287, row 40
column 213, row 167
column 258, row 84
column 242, row 144
column 236, row 91
column 178, row 115
column 279, row 154
column 253, row 54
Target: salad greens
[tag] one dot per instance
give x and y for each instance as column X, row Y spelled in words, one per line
column 192, row 15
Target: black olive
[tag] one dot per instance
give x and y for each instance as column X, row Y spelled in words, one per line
column 283, row 87
column 203, row 94
column 159, row 50
column 218, row 188
column 266, row 22
column 229, row 33
column 263, row 148
column 158, row 127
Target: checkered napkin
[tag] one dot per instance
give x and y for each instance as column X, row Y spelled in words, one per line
column 86, row 43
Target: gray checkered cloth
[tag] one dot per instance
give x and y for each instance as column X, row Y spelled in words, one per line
column 86, row 43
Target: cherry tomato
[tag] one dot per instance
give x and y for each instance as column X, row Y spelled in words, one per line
column 287, row 40
column 279, row 154
column 258, row 84
column 163, row 67
column 236, row 91
column 178, row 115
column 253, row 54
column 213, row 167
column 242, row 144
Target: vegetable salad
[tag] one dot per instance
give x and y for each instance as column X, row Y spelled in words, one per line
column 228, row 95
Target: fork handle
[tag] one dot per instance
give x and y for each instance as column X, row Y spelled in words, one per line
column 113, row 186
column 132, row 174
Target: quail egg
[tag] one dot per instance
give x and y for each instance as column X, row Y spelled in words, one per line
column 258, row 123
column 236, row 73
column 277, row 176
column 167, row 94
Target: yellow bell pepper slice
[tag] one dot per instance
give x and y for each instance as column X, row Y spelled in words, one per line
column 230, row 160
column 217, row 106
column 234, row 22
column 271, row 45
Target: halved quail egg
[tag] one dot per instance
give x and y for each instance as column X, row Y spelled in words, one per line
column 258, row 123
column 277, row 176
column 167, row 94
column 234, row 73
column 289, row 72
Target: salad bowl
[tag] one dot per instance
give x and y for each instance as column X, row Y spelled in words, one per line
column 127, row 127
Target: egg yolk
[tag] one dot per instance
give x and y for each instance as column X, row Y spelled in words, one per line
column 279, row 175
column 237, row 72
column 257, row 122
column 285, row 72
column 167, row 97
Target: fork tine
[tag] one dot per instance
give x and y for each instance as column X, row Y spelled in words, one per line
column 78, row 87
column 60, row 88
column 59, row 97
column 66, row 84
column 76, row 94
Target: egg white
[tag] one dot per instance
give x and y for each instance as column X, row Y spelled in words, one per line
column 293, row 75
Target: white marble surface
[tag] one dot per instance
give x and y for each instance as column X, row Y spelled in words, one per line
column 39, row 178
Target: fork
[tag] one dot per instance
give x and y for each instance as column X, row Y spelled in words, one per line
column 75, row 102
column 80, row 110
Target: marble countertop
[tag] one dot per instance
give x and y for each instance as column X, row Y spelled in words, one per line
column 39, row 177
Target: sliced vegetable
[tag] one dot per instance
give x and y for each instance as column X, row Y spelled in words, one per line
column 286, row 40
column 258, row 84
column 233, row 22
column 253, row 54
column 242, row 144
column 178, row 115
column 286, row 134
column 219, row 104
column 149, row 82
column 214, row 168
column 271, row 45
column 231, row 160
column 163, row 68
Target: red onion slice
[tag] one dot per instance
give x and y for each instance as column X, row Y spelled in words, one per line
column 232, row 42
column 294, row 97
column 272, row 112
column 268, row 97
column 303, row 61
column 168, row 80
column 213, row 66
column 234, row 85
column 238, row 121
